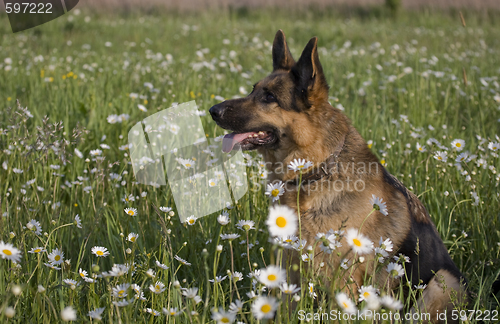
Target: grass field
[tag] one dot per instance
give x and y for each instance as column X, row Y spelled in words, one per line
column 421, row 81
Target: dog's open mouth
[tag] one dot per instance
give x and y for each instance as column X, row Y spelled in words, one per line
column 247, row 141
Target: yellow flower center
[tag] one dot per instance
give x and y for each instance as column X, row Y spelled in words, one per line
column 130, row 212
column 275, row 192
column 7, row 252
column 57, row 257
column 121, row 292
column 82, row 274
column 212, row 183
column 132, row 239
column 191, row 221
column 345, row 305
column 265, row 308
column 37, row 250
column 459, row 145
column 281, row 221
column 300, row 166
column 366, row 294
column 225, row 320
column 271, row 277
column 99, row 253
column 356, row 242
column 188, row 165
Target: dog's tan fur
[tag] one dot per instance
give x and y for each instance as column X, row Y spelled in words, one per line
column 308, row 127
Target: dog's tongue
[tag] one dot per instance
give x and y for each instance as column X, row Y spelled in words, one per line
column 230, row 140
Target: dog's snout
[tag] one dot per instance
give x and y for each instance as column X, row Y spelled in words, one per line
column 217, row 111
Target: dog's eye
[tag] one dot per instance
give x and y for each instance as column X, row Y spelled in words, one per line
column 270, row 97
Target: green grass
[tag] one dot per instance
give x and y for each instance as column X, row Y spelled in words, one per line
column 103, row 85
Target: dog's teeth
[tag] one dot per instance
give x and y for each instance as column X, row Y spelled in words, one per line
column 261, row 133
column 250, row 136
column 255, row 135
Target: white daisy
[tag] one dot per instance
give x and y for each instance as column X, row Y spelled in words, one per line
column 131, row 211
column 264, row 307
column 458, row 144
column 120, row 291
column 395, row 270
column 223, row 317
column 132, row 237
column 299, row 164
column 191, row 220
column 223, row 218
column 158, row 287
column 441, row 156
column 493, row 146
column 165, row 209
column 379, row 205
column 289, row 289
column 186, row 163
column 311, row 291
column 142, row 108
column 181, row 260
column 386, row 245
column 421, row 148
column 276, row 190
column 245, row 225
column 345, row 303
column 359, row 243
column 34, row 226
column 282, row 221
column 212, row 182
column 37, row 250
column 391, row 303
column 56, row 256
column 161, row 265
column 68, row 314
column 78, row 221
column 82, row 273
column 462, row 157
column 367, row 292
column 272, row 276
column 229, row 236
column 100, row 251
column 153, row 312
column 70, row 282
column 96, row 313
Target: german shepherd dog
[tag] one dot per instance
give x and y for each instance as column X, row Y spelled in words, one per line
column 287, row 116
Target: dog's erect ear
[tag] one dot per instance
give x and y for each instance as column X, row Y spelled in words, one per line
column 282, row 58
column 309, row 72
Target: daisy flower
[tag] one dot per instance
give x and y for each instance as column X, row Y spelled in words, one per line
column 71, row 283
column 462, row 157
column 37, row 250
column 245, row 225
column 236, row 306
column 68, row 314
column 223, row 317
column 359, row 243
column 212, row 182
column 272, row 276
column 82, row 273
column 345, row 303
column 420, row 287
column 229, row 236
column 493, row 146
column 395, row 270
column 458, row 144
column 132, row 237
column 96, row 313
column 161, row 265
column 421, row 148
column 51, row 266
column 386, row 245
column 299, row 164
column 153, row 312
column 191, row 220
column 120, row 291
column 441, row 156
column 367, row 292
column 181, row 260
column 311, row 291
column 158, row 287
column 131, row 211
column 264, row 307
column 190, row 292
column 100, row 251
column 186, row 163
column 218, row 279
column 165, row 209
column 34, row 226
column 142, row 108
column 391, row 303
column 282, row 221
column 223, row 218
column 275, row 191
column 379, row 205
column 289, row 289
column 56, row 256
column 171, row 311
column 78, row 221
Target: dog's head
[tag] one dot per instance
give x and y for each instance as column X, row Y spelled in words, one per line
column 287, row 112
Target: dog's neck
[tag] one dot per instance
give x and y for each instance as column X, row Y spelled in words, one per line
column 317, row 172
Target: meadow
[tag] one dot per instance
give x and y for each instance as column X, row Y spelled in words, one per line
column 82, row 240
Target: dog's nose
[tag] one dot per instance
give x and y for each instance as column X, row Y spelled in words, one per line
column 217, row 111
